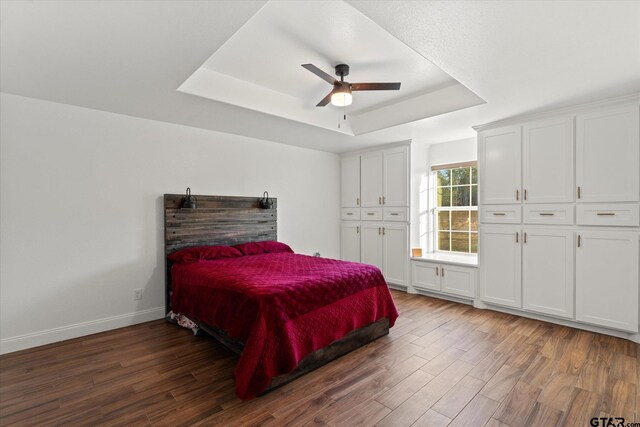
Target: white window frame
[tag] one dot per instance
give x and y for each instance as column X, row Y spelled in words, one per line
column 436, row 210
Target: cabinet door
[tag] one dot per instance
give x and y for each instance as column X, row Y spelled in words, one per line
column 499, row 170
column 395, row 177
column 500, row 265
column 607, row 155
column 425, row 275
column 607, row 279
column 350, row 182
column 371, row 244
column 371, row 179
column 350, row 241
column 458, row 280
column 547, row 161
column 547, row 271
column 395, row 255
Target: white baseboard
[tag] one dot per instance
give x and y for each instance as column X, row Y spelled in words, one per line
column 564, row 322
column 48, row 336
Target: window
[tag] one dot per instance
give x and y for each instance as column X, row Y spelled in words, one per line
column 456, row 225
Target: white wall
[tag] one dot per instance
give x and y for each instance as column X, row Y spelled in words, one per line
column 464, row 150
column 81, row 210
column 423, row 156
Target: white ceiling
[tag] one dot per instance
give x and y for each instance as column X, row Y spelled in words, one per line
column 130, row 57
column 259, row 68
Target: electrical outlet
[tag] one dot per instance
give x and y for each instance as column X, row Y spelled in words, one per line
column 137, row 294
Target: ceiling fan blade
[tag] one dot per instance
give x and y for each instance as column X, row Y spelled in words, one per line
column 375, row 86
column 325, row 100
column 318, row 72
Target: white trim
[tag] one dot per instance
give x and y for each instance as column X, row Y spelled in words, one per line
column 48, row 336
column 439, row 295
column 558, row 321
column 527, row 117
column 406, row 142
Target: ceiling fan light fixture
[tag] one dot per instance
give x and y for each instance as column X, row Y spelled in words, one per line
column 341, row 97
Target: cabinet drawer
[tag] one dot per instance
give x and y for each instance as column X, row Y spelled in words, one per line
column 395, row 214
column 624, row 214
column 548, row 214
column 501, row 214
column 349, row 214
column 371, row 214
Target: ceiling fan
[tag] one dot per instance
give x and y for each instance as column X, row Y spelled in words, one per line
column 341, row 94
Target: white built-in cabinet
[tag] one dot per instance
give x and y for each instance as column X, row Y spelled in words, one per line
column 395, row 241
column 499, row 151
column 350, row 241
column 375, row 211
column 559, row 230
column 371, row 179
column 547, row 161
column 371, row 244
column 499, row 265
column 547, row 271
column 607, row 152
column 383, row 178
column 456, row 280
column 395, row 177
column 607, row 279
column 350, row 182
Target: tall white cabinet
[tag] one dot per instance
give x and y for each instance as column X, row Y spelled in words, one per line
column 375, row 211
column 559, row 230
column 607, row 155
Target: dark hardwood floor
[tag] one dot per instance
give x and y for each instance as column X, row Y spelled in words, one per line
column 442, row 364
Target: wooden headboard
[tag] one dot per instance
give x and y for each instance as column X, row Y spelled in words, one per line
column 217, row 220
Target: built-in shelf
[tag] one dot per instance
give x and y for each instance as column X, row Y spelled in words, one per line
column 467, row 260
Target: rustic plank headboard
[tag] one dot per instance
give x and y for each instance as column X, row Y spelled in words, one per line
column 217, row 220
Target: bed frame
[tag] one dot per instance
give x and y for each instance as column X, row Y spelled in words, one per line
column 226, row 220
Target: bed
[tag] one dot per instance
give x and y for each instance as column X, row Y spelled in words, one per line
column 283, row 313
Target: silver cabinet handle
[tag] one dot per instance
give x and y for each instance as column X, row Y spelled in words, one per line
column 524, row 240
column 394, row 214
column 499, row 213
column 384, row 200
column 436, row 270
column 525, row 194
column 358, row 201
column 349, row 213
column 606, row 214
column 379, row 200
column 546, row 214
column 517, row 194
column 383, row 230
column 371, row 213
column 579, row 191
column 357, row 229
column 379, row 230
column 517, row 237
column 442, row 271
column 579, row 240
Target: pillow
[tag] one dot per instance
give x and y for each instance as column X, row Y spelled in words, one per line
column 203, row 253
column 267, row 247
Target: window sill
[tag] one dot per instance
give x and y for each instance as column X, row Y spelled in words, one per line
column 468, row 260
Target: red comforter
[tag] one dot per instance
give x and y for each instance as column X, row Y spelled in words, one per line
column 283, row 306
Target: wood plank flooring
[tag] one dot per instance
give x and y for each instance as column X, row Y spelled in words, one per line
column 442, row 364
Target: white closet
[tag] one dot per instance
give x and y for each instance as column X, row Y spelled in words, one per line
column 375, row 211
column 560, row 233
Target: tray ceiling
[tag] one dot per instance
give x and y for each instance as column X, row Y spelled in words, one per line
column 259, row 68
column 130, row 57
